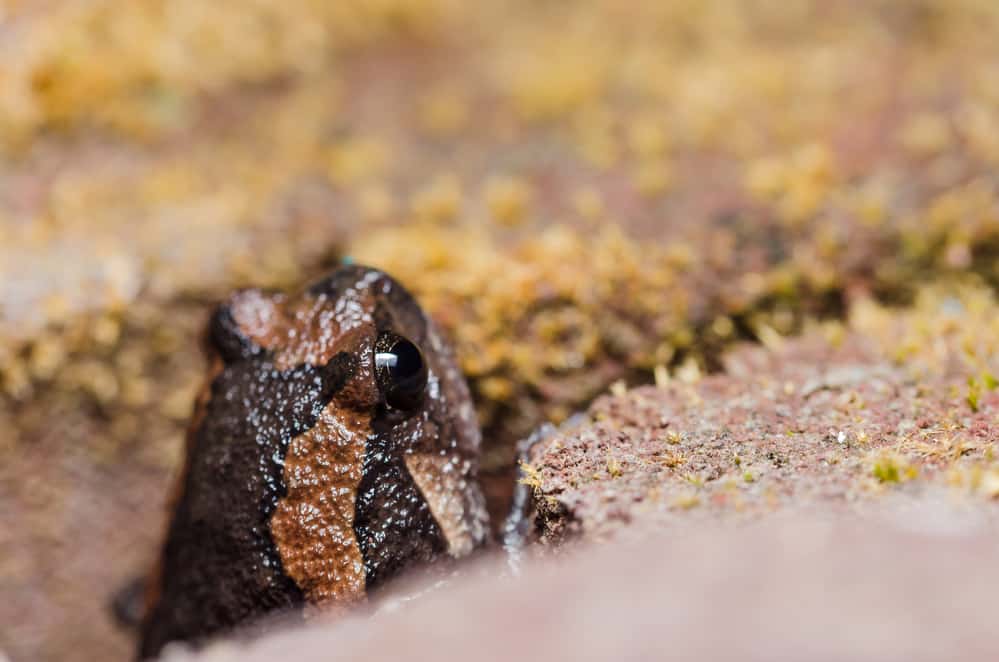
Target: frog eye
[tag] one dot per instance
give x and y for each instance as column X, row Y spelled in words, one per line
column 400, row 370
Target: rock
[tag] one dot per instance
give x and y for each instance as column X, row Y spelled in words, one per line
column 805, row 427
column 790, row 589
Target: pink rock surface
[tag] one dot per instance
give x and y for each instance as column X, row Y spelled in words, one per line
column 805, row 426
column 787, row 589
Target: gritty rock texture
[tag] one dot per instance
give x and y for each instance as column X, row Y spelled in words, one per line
column 807, row 424
column 792, row 589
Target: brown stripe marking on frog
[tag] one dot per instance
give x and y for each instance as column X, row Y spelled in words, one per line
column 313, row 525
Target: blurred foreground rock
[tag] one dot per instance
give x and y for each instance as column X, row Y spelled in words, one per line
column 792, row 589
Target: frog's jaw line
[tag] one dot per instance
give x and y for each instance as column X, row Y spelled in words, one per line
column 313, row 525
column 447, row 484
column 394, row 524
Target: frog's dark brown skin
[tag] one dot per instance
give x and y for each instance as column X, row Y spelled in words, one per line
column 303, row 485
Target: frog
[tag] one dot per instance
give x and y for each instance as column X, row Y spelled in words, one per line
column 334, row 447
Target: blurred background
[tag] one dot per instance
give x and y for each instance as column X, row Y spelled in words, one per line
column 581, row 192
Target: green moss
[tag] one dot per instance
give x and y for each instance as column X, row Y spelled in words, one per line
column 974, row 393
column 614, row 468
column 890, row 468
column 886, row 472
column 990, row 381
column 531, row 476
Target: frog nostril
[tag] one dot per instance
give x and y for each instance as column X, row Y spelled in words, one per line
column 401, row 371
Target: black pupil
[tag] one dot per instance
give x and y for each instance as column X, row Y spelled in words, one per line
column 402, row 372
column 403, row 360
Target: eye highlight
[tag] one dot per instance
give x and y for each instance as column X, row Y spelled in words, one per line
column 400, row 370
